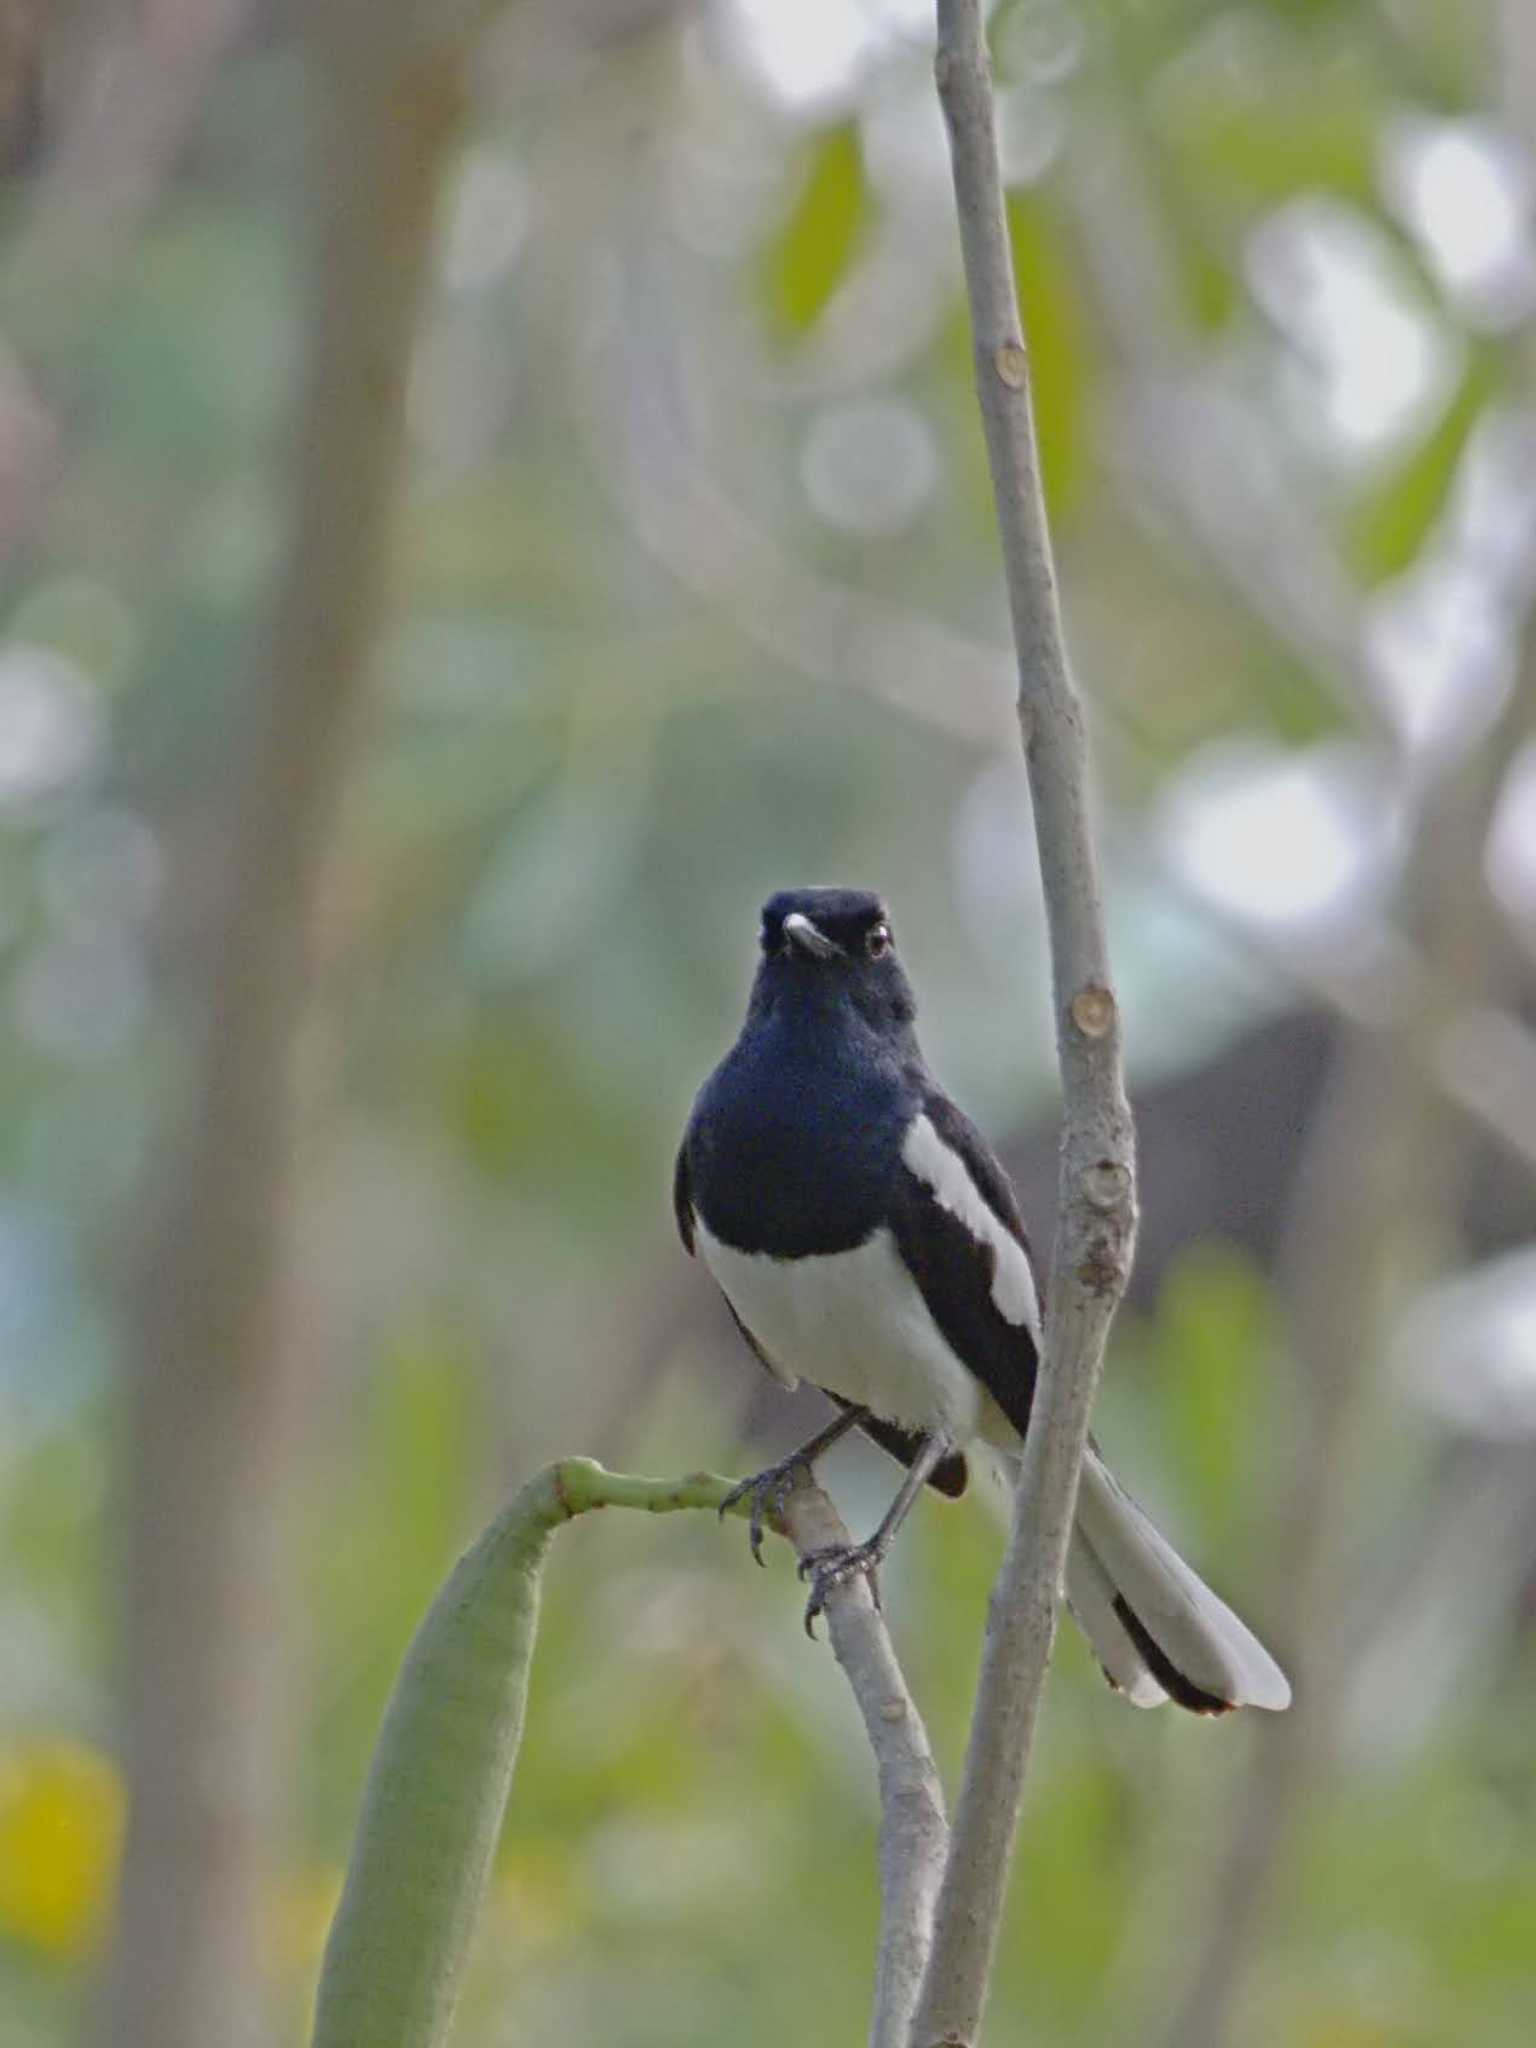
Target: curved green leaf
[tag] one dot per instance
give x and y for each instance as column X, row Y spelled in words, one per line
column 1391, row 524
column 442, row 1771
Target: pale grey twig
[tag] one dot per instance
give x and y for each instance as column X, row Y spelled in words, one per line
column 1096, row 1212
column 914, row 1833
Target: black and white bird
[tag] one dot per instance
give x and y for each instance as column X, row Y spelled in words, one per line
column 866, row 1239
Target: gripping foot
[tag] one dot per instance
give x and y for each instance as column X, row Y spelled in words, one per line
column 767, row 1492
column 827, row 1569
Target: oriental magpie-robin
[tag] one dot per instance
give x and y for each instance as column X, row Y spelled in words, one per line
column 866, row 1238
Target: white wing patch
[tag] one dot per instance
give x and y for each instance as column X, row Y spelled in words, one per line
column 940, row 1168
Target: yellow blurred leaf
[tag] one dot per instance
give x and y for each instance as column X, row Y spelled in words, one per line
column 1229, row 118
column 61, row 1825
column 542, row 1895
column 1391, row 524
column 814, row 249
column 1214, row 1336
column 298, row 1917
column 1056, row 332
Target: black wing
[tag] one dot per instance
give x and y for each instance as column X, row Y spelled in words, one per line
column 949, row 1476
column 954, row 1267
column 682, row 1198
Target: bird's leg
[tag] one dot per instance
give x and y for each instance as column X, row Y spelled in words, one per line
column 828, row 1568
column 769, row 1490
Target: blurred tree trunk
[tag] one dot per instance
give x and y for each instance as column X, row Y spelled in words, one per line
column 1380, row 1189
column 214, row 1382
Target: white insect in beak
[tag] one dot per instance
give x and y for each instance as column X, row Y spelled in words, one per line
column 809, row 936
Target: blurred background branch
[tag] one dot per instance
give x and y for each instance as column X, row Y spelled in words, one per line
column 207, row 1617
column 101, row 102
column 1379, row 1188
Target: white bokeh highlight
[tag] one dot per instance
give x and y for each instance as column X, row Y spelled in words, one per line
column 1467, row 1347
column 1439, row 656
column 52, row 724
column 1465, row 189
column 809, row 53
column 1367, row 361
column 869, row 465
column 1281, row 838
column 488, row 217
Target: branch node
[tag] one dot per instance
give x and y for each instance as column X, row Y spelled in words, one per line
column 573, row 1485
column 1106, row 1186
column 1012, row 365
column 1093, row 1010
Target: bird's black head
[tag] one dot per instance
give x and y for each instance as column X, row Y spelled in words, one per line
column 823, row 947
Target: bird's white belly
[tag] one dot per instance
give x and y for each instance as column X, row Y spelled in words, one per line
column 855, row 1323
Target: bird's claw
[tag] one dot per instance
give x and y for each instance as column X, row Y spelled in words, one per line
column 828, row 1569
column 768, row 1492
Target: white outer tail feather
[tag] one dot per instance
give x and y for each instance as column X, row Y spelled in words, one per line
column 1116, row 1550
column 1198, row 1634
column 1091, row 1597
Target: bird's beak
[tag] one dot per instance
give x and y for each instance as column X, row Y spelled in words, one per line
column 809, row 936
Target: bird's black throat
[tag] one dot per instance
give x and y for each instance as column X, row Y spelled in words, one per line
column 796, row 1136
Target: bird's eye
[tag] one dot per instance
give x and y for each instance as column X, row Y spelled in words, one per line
column 877, row 941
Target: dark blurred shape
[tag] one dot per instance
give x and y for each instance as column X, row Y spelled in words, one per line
column 21, row 88
column 1219, row 1147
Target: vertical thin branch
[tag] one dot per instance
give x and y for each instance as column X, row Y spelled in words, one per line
column 212, row 1383
column 913, row 1830
column 1096, row 1215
